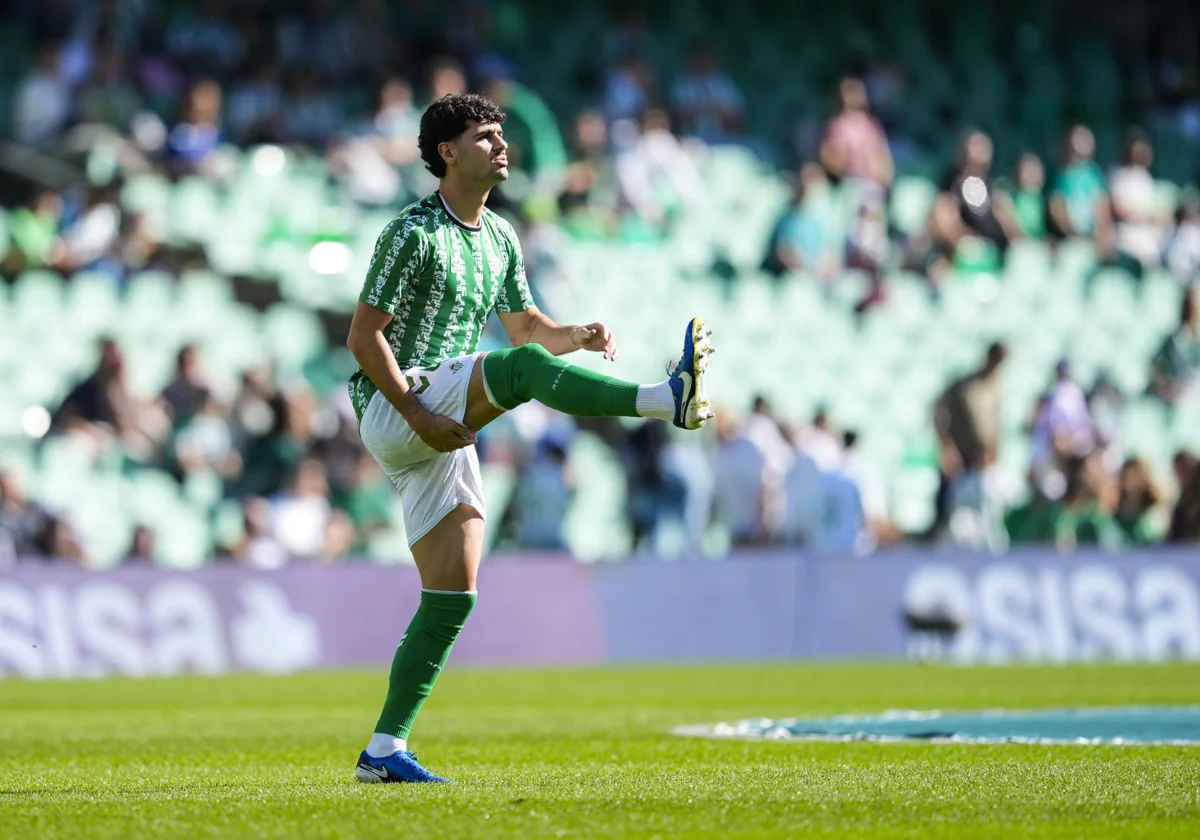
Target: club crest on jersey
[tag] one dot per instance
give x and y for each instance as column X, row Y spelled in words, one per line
column 456, row 367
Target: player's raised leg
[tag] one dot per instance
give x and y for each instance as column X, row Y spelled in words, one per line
column 448, row 559
column 509, row 377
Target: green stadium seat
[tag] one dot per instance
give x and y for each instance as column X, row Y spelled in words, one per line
column 595, row 526
column 92, row 302
column 912, row 199
column 195, row 211
column 105, row 531
column 37, row 298
column 293, row 336
column 912, row 492
column 182, row 537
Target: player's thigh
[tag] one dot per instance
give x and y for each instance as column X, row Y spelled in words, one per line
column 448, row 556
column 480, row 409
column 444, row 512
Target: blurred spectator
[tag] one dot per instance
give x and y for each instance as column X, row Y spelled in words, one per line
column 196, row 136
column 257, row 547
column 188, row 388
column 1028, row 197
column 141, row 546
column 1183, row 249
column 751, row 464
column 543, row 495
column 92, row 239
column 868, row 246
column 855, row 504
column 140, row 244
column 970, row 206
column 378, row 165
column 1031, row 523
column 398, row 121
column 23, row 522
column 1139, row 504
column 817, row 453
column 34, row 232
column 651, row 491
column 303, row 520
column 205, row 442
column 205, row 40
column 276, row 454
column 58, row 541
column 1072, row 429
column 589, row 194
column 1140, row 229
column 629, row 35
column 109, row 98
column 102, row 404
column 1079, row 203
column 311, row 113
column 368, row 500
column 886, row 83
column 628, row 89
column 446, row 77
column 803, row 240
column 43, row 99
column 311, row 35
column 1185, row 518
column 1084, row 517
column 1175, row 368
column 855, row 146
column 706, row 101
column 256, row 103
column 967, row 422
column 648, row 161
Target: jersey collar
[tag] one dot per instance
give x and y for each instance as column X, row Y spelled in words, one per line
column 455, row 219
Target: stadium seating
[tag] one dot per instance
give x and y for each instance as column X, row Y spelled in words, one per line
column 879, row 373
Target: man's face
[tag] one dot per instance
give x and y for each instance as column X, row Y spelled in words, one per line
column 480, row 153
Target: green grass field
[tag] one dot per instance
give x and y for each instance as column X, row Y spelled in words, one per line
column 581, row 753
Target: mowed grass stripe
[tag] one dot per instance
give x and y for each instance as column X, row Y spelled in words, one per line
column 582, row 753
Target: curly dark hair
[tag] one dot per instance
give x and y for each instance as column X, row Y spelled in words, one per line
column 447, row 118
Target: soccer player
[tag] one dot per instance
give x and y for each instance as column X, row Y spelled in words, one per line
column 422, row 391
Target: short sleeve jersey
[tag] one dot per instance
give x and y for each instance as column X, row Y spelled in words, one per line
column 440, row 279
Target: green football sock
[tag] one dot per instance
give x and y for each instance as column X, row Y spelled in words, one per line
column 423, row 651
column 530, row 372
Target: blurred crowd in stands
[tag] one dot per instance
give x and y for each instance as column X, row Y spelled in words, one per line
column 177, row 88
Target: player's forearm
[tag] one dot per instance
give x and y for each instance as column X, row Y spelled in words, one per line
column 375, row 358
column 559, row 339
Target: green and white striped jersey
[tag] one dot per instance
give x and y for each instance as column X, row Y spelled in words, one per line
column 440, row 279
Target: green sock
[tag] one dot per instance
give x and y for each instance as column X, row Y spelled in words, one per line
column 530, row 372
column 423, row 651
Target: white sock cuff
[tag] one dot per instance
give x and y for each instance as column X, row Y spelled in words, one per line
column 655, row 401
column 382, row 745
column 452, row 591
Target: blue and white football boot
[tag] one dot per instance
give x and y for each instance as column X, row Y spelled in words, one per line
column 397, row 767
column 692, row 407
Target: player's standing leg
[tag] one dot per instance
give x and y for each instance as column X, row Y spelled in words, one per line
column 447, row 559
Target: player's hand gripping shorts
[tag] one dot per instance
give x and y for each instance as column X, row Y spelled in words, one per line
column 431, row 483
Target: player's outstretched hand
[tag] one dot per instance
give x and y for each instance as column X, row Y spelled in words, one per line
column 441, row 432
column 597, row 338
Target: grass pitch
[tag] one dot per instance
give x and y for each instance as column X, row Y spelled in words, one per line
column 581, row 753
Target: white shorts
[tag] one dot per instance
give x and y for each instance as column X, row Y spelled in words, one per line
column 431, row 483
